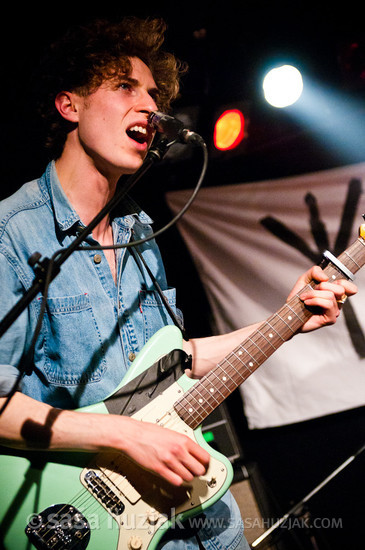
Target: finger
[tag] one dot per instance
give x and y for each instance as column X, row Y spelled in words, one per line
column 316, row 273
column 179, row 470
column 323, row 306
column 339, row 288
column 169, row 475
column 186, row 473
column 350, row 289
column 325, row 296
column 324, row 303
column 193, row 459
column 194, row 466
column 200, row 454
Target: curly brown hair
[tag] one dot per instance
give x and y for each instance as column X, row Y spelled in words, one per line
column 90, row 54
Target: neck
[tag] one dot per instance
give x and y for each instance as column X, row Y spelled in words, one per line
column 87, row 189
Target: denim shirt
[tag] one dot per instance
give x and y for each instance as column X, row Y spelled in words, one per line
column 92, row 327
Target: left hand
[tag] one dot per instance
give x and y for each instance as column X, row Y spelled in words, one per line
column 324, row 296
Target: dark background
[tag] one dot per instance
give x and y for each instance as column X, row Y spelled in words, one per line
column 228, row 45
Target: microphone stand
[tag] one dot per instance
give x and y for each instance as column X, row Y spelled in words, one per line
column 41, row 266
column 298, row 510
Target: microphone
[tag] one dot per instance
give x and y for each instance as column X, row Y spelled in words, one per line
column 173, row 128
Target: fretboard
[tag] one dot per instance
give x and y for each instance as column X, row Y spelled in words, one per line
column 209, row 392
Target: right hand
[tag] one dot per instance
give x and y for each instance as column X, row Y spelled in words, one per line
column 172, row 455
column 169, row 454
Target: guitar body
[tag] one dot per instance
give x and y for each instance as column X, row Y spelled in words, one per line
column 77, row 500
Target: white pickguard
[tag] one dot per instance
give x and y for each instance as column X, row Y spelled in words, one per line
column 151, row 504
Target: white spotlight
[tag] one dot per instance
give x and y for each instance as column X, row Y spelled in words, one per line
column 283, row 86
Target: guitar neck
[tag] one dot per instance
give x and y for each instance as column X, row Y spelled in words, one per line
column 209, row 392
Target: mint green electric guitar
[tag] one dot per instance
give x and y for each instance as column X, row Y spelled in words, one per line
column 74, row 501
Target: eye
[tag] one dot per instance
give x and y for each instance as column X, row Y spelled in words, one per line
column 125, row 86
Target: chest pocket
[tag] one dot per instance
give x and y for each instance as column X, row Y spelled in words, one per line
column 154, row 313
column 73, row 345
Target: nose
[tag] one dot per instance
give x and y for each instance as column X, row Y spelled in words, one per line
column 146, row 103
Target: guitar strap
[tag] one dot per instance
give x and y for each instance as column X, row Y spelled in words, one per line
column 134, row 251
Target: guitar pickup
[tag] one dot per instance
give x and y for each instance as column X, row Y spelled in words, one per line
column 102, row 492
column 115, row 469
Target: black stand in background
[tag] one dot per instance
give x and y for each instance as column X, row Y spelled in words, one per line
column 277, row 466
column 300, row 512
column 293, row 458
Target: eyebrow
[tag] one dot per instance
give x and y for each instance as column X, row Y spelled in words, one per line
column 154, row 92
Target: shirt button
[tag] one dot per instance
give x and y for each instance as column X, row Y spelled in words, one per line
column 131, row 356
column 97, row 258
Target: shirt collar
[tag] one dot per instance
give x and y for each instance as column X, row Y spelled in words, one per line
column 66, row 216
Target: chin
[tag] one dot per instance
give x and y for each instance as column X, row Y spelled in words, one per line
column 133, row 166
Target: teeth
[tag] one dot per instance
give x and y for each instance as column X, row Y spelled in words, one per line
column 139, row 129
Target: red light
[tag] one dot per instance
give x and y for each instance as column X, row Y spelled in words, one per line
column 229, row 130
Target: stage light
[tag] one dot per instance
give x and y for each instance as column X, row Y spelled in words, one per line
column 283, row 86
column 229, row 130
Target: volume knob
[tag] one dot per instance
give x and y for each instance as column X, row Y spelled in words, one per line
column 135, row 543
column 152, row 516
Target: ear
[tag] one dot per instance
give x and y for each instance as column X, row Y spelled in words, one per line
column 66, row 106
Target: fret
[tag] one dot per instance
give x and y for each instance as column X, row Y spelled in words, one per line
column 220, row 380
column 358, row 252
column 268, row 342
column 283, row 320
column 244, row 363
column 225, row 377
column 273, row 323
column 254, row 343
column 206, row 394
column 192, row 416
column 230, row 373
column 189, row 406
column 209, row 388
column 193, row 406
column 253, row 358
column 236, row 371
column 200, row 398
column 271, row 330
column 352, row 260
column 354, row 251
column 292, row 310
column 214, row 387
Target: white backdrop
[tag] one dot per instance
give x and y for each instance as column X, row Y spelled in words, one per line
column 248, row 272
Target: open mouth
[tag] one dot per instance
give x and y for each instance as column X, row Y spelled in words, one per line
column 138, row 134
